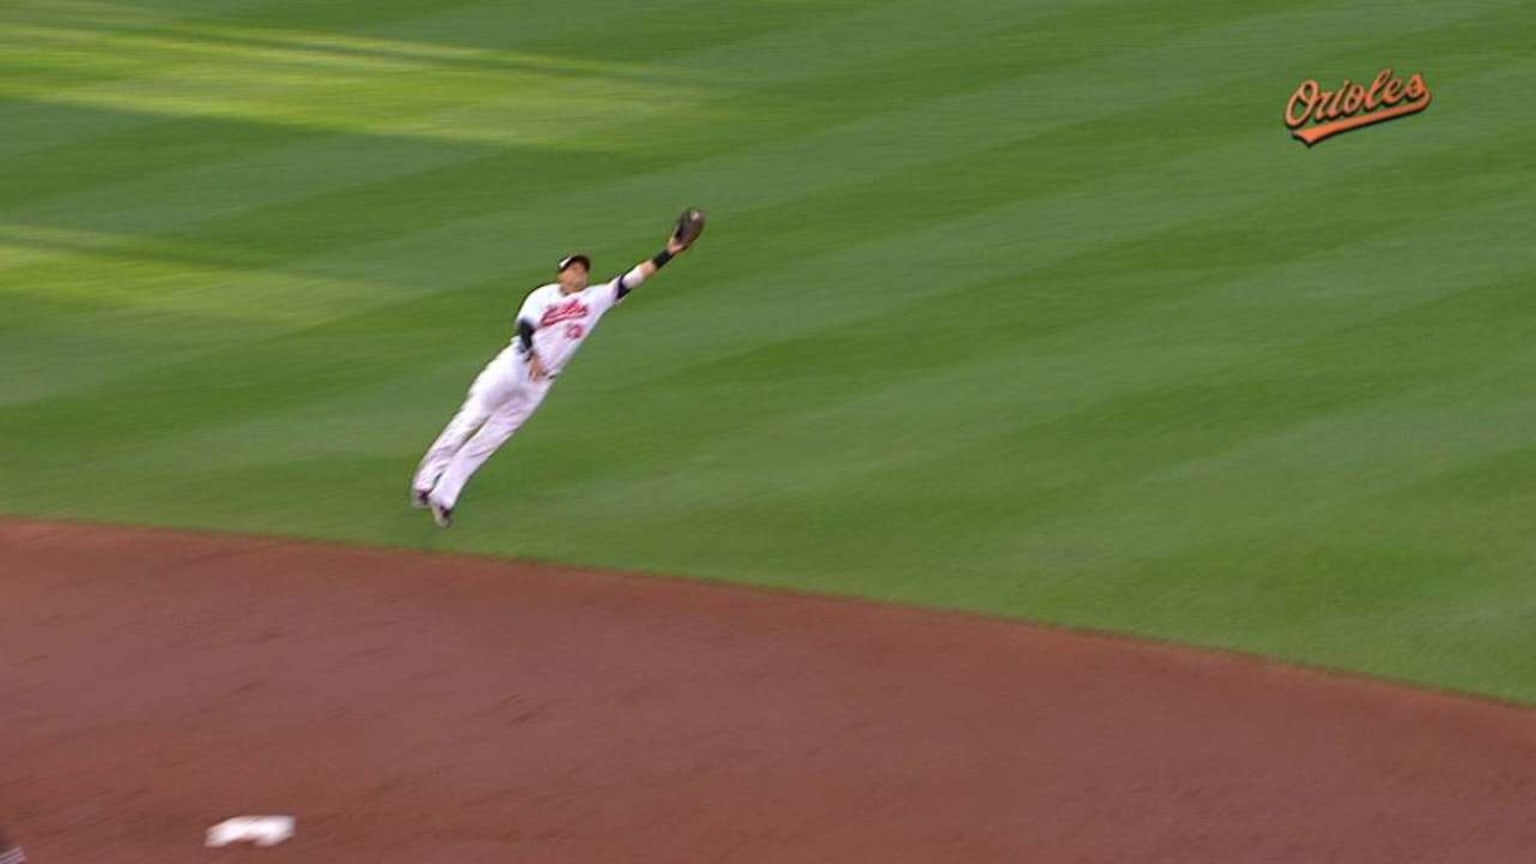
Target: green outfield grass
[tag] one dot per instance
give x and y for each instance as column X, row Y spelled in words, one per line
column 1023, row 307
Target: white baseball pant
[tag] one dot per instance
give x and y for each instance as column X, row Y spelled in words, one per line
column 500, row 401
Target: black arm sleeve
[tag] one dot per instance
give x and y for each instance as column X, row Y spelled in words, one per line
column 525, row 335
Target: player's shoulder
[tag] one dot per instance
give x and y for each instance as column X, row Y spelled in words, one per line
column 545, row 291
column 607, row 290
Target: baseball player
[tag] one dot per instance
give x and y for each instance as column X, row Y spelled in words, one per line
column 553, row 322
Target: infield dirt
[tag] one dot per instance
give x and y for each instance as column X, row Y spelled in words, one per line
column 431, row 708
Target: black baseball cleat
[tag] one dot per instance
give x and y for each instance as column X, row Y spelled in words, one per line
column 421, row 499
column 443, row 516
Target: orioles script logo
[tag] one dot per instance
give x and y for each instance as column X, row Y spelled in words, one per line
column 1352, row 105
column 564, row 312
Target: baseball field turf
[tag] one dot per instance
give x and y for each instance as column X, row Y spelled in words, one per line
column 1022, row 307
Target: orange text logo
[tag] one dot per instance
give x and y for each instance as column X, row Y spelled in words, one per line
column 1313, row 113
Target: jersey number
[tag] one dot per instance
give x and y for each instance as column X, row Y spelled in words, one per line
column 574, row 331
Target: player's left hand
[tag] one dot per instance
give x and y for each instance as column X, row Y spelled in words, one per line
column 536, row 370
column 689, row 226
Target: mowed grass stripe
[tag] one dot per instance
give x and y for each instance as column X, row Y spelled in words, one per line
column 1197, row 161
column 136, row 191
column 174, row 409
column 101, row 42
column 1248, row 415
column 46, row 40
column 1133, row 211
column 785, row 170
column 34, row 283
column 532, row 173
column 908, row 125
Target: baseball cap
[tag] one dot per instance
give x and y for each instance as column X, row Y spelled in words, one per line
column 572, row 259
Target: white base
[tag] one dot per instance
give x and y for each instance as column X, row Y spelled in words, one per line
column 261, row 830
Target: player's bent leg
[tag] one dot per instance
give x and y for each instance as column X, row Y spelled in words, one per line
column 496, row 431
column 469, row 418
column 493, row 389
column 468, row 460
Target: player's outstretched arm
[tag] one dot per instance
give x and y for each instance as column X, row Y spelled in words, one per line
column 647, row 268
column 689, row 226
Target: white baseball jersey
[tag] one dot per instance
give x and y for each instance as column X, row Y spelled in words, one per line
column 564, row 321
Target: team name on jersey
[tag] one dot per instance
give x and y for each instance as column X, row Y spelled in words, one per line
column 568, row 311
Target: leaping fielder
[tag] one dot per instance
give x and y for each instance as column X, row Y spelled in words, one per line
column 553, row 322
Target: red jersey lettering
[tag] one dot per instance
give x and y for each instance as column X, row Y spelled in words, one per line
column 563, row 312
